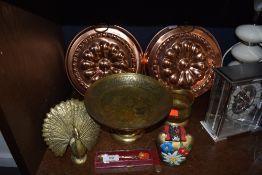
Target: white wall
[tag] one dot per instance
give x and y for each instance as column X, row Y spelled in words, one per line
column 6, row 159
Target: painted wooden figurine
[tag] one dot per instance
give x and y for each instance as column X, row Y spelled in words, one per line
column 174, row 144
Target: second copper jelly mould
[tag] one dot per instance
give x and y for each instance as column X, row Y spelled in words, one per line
column 180, row 57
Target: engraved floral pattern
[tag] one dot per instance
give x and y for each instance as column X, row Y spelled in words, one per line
column 183, row 64
column 103, row 58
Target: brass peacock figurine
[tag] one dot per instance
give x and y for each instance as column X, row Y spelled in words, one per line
column 68, row 123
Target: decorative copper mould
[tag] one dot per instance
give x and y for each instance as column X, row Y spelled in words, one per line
column 98, row 51
column 183, row 57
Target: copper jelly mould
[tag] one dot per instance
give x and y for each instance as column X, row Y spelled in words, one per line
column 183, row 57
column 98, row 51
column 180, row 57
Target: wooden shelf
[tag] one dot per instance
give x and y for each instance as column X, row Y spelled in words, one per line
column 232, row 156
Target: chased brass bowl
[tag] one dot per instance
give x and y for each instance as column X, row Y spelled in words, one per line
column 128, row 103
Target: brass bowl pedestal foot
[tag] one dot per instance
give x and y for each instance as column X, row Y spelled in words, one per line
column 127, row 136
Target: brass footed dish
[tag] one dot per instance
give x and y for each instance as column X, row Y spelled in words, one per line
column 128, row 103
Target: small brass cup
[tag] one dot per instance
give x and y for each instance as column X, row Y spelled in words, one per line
column 181, row 109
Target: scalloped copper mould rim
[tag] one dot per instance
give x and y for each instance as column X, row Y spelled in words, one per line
column 173, row 34
column 113, row 37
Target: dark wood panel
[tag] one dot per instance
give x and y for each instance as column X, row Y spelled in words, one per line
column 32, row 80
column 230, row 157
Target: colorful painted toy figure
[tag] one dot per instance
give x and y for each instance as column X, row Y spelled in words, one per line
column 174, row 144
